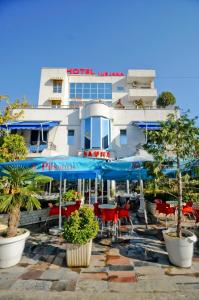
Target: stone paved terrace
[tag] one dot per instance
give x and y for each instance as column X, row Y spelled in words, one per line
column 134, row 266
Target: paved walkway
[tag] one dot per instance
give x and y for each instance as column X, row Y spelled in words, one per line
column 134, row 266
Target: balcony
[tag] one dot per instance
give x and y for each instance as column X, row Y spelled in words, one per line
column 147, row 94
column 38, row 148
column 140, row 76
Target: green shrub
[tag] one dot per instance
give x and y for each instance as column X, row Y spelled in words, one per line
column 71, row 195
column 81, row 227
column 165, row 99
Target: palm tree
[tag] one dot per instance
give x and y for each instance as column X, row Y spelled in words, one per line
column 19, row 188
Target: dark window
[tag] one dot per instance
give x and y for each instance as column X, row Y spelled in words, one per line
column 57, row 86
column 71, row 137
column 123, row 137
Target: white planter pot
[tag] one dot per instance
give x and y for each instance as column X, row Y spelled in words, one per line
column 180, row 251
column 78, row 255
column 11, row 249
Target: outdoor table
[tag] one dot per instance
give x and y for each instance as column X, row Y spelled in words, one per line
column 109, row 206
column 172, row 203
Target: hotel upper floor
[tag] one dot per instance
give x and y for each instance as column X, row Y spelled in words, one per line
column 61, row 87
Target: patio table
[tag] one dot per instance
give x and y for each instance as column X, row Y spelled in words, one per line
column 109, row 206
column 172, row 203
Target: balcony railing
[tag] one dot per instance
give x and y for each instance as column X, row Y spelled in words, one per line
column 40, row 147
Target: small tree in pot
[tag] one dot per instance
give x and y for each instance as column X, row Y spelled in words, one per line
column 178, row 137
column 18, row 189
column 165, row 99
column 79, row 230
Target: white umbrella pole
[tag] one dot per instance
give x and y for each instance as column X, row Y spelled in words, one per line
column 83, row 189
column 95, row 190
column 127, row 187
column 102, row 191
column 64, row 185
column 142, row 208
column 50, row 187
column 89, row 192
column 60, row 200
column 108, row 190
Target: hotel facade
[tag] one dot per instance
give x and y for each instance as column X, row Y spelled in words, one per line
column 83, row 113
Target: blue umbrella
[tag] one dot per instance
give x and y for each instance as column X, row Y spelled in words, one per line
column 61, row 167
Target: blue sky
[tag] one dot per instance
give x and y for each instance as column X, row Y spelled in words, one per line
column 106, row 35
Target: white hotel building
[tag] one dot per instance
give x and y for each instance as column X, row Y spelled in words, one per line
column 91, row 114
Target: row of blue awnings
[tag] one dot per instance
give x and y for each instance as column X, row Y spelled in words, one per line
column 30, row 125
column 148, row 125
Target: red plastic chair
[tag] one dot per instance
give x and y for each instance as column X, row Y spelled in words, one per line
column 110, row 216
column 196, row 214
column 123, row 213
column 166, row 209
column 187, row 209
column 54, row 212
column 70, row 209
column 97, row 210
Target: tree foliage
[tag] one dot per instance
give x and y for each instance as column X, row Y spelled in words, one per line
column 165, row 99
column 81, row 227
column 177, row 139
column 19, row 188
column 12, row 147
column 8, row 114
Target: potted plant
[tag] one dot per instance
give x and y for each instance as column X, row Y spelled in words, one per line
column 79, row 230
column 178, row 137
column 71, row 196
column 139, row 103
column 18, row 189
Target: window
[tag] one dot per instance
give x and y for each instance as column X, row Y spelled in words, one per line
column 71, row 137
column 56, row 103
column 57, row 86
column 120, row 88
column 91, row 90
column 123, row 137
column 38, row 138
column 96, row 133
column 87, row 134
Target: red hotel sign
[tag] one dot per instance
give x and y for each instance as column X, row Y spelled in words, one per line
column 90, row 72
column 97, row 154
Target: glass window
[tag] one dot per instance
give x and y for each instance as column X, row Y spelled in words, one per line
column 123, row 137
column 72, row 95
column 86, row 91
column 78, row 96
column 57, row 86
column 91, row 90
column 94, row 96
column 87, row 134
column 108, row 96
column 120, row 88
column 79, row 85
column 86, row 96
column 96, row 130
column 71, row 137
column 105, row 133
column 100, row 85
column 93, row 85
column 99, row 127
column 86, row 85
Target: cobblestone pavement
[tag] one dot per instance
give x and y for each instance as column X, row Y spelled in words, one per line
column 136, row 265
